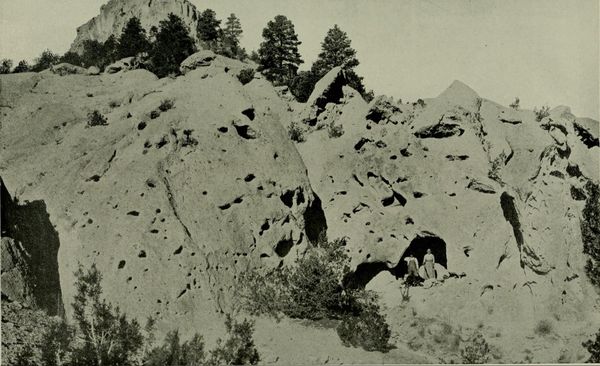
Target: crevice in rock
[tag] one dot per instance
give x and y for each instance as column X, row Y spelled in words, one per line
column 440, row 130
column 507, row 202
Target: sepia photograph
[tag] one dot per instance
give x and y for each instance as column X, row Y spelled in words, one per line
column 286, row 182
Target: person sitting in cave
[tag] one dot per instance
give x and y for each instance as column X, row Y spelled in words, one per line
column 413, row 267
column 429, row 265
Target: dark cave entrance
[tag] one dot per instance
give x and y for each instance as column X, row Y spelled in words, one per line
column 365, row 272
column 418, row 247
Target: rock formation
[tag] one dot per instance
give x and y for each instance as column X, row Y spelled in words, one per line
column 115, row 14
column 193, row 180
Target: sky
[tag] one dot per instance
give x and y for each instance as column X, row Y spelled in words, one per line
column 546, row 52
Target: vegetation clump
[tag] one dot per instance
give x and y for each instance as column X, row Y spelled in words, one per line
column 590, row 232
column 95, row 118
column 541, row 113
column 477, row 350
column 296, row 132
column 312, row 289
column 593, row 347
column 166, row 104
column 245, row 76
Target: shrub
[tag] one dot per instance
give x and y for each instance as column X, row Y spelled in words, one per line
column 543, row 327
column 5, row 66
column 105, row 335
column 239, row 348
column 541, row 113
column 593, row 347
column 172, row 352
column 245, row 76
column 515, row 105
column 590, row 232
column 96, row 118
column 367, row 329
column 302, row 85
column 57, row 343
column 477, row 350
column 114, row 104
column 166, row 104
column 312, row 289
column 72, row 58
column 335, row 131
column 22, row 66
column 296, row 133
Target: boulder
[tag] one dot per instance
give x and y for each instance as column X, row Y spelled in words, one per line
column 64, row 68
column 201, row 58
column 124, row 64
column 382, row 108
column 93, row 70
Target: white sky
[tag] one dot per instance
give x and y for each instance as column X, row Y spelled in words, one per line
column 544, row 51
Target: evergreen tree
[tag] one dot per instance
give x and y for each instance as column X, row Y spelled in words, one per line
column 72, row 58
column 45, row 61
column 231, row 37
column 133, row 39
column 278, row 53
column 335, row 51
column 22, row 66
column 5, row 66
column 100, row 54
column 209, row 30
column 173, row 44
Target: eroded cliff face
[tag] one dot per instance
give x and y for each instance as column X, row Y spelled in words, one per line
column 494, row 193
column 170, row 204
column 115, row 14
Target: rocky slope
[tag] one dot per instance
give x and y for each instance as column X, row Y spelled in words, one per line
column 115, row 14
column 193, row 180
column 494, row 193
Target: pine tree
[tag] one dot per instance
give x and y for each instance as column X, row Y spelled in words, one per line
column 279, row 56
column 209, row 29
column 45, row 61
column 72, row 58
column 172, row 45
column 335, row 51
column 5, row 66
column 231, row 37
column 133, row 39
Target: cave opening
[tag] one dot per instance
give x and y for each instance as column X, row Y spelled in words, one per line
column 418, row 247
column 365, row 272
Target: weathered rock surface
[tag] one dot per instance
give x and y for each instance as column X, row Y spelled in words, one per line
column 115, row 14
column 492, row 192
column 125, row 64
column 68, row 69
column 171, row 204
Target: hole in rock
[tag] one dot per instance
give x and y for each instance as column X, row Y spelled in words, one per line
column 245, row 132
column 283, row 247
column 249, row 178
column 249, row 112
column 287, row 198
column 121, row 264
column 315, row 222
column 178, row 250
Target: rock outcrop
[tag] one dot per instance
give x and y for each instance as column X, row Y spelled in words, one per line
column 190, row 182
column 115, row 14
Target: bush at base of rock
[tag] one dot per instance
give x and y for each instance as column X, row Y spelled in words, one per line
column 311, row 289
column 477, row 350
column 367, row 329
column 593, row 347
column 590, row 232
